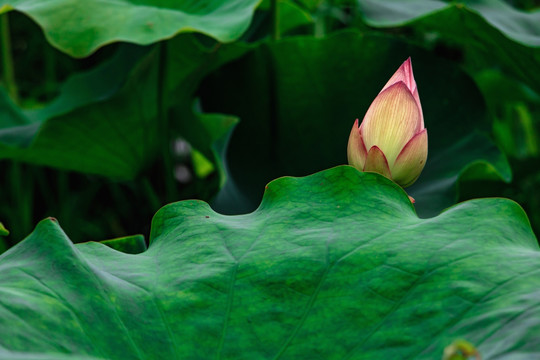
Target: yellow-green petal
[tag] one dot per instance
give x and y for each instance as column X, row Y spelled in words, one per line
column 376, row 162
column 411, row 161
column 391, row 121
column 356, row 150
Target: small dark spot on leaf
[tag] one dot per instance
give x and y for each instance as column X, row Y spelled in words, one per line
column 208, row 217
column 53, row 219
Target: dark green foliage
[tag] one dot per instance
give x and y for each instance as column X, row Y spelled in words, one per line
column 213, row 99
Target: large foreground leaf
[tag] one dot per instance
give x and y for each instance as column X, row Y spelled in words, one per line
column 297, row 100
column 80, row 27
column 332, row 266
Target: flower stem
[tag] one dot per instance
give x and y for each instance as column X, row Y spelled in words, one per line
column 8, row 70
column 164, row 126
column 274, row 11
column 320, row 19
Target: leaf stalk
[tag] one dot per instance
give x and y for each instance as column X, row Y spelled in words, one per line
column 8, row 69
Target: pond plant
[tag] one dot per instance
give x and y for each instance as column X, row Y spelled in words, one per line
column 180, row 179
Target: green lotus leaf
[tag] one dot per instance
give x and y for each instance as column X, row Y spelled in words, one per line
column 488, row 31
column 81, row 27
column 105, row 121
column 3, row 230
column 515, row 24
column 115, row 136
column 335, row 265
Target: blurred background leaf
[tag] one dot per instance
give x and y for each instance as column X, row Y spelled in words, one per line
column 92, row 132
column 3, row 232
column 79, row 28
column 482, row 32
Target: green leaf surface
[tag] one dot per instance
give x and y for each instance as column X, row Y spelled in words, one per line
column 93, row 86
column 210, row 135
column 105, row 120
column 516, row 113
column 80, row 27
column 332, row 266
column 133, row 244
column 297, row 100
column 292, row 14
column 3, row 230
column 113, row 136
column 488, row 30
column 515, row 24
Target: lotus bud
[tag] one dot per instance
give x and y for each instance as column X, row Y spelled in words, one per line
column 392, row 140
